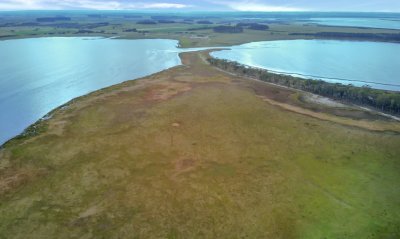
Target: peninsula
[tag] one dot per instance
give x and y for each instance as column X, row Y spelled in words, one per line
column 197, row 152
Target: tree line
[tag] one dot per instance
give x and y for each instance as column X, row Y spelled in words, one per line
column 228, row 29
column 386, row 101
column 394, row 37
column 253, row 26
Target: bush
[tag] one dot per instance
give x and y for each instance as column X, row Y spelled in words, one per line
column 387, row 101
column 228, row 29
column 147, row 22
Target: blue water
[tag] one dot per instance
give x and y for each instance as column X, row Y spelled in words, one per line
column 376, row 64
column 38, row 75
column 386, row 23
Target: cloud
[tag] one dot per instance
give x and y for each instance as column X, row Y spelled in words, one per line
column 215, row 5
column 85, row 4
column 165, row 5
column 19, row 4
column 256, row 6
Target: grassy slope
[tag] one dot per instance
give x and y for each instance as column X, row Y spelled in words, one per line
column 195, row 153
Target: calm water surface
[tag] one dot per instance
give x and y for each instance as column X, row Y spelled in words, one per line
column 375, row 64
column 38, row 75
column 386, row 23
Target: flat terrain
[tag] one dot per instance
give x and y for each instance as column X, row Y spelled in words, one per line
column 191, row 30
column 193, row 152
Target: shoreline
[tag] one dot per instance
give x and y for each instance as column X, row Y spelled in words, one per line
column 119, row 37
column 176, row 146
column 318, row 96
column 50, row 114
column 364, row 107
column 314, row 77
column 202, row 49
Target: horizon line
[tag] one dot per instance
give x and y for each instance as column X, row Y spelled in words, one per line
column 187, row 11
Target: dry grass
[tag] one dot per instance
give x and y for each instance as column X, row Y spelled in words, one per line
column 192, row 152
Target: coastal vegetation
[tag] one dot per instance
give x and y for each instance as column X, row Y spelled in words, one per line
column 386, row 101
column 52, row 19
column 395, row 37
column 228, row 29
column 204, row 22
column 194, row 152
column 253, row 26
column 165, row 21
column 130, row 30
column 147, row 22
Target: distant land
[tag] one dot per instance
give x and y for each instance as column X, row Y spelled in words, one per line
column 209, row 148
column 199, row 29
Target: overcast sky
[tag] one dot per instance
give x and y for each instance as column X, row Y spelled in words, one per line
column 214, row 5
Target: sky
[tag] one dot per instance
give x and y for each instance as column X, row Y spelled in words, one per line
column 206, row 5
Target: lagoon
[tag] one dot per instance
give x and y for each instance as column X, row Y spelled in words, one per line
column 40, row 74
column 380, row 23
column 376, row 64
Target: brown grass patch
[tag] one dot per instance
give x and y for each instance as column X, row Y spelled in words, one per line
column 15, row 179
column 166, row 91
column 193, row 152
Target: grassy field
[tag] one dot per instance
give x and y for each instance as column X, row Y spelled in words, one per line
column 193, row 152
